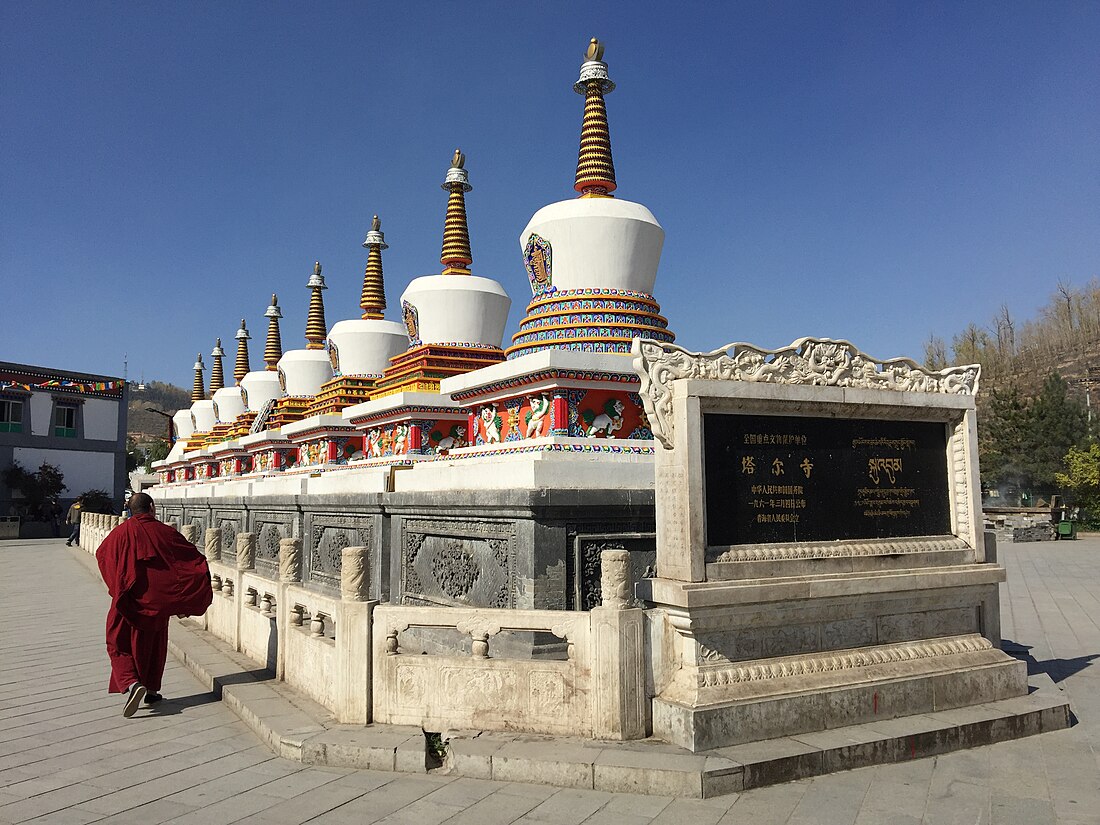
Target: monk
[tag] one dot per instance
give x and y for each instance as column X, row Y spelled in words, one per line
column 152, row 573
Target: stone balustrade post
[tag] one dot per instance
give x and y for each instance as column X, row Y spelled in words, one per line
column 355, row 574
column 290, row 560
column 213, row 544
column 246, row 551
column 189, row 533
column 617, row 653
column 616, row 580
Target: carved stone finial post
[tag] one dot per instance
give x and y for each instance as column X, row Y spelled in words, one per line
column 354, row 574
column 290, row 560
column 615, row 578
column 213, row 544
column 246, row 551
column 189, row 532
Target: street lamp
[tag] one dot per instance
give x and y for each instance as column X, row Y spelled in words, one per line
column 171, row 424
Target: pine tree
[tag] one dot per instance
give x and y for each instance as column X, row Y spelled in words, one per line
column 1055, row 424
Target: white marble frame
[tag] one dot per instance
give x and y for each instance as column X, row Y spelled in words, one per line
column 681, row 506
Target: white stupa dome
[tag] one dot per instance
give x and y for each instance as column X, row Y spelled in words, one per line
column 455, row 309
column 258, row 387
column 303, row 371
column 228, row 404
column 183, row 424
column 364, row 346
column 599, row 243
column 202, row 415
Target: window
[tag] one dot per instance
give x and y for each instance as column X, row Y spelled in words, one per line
column 64, row 421
column 11, row 416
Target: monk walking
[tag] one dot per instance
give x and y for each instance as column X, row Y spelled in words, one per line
column 152, row 573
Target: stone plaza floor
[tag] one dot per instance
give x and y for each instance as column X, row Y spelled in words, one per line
column 68, row 756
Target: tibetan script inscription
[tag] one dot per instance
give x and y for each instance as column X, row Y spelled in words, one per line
column 788, row 479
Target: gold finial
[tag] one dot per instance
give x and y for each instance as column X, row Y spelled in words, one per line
column 316, row 329
column 197, row 391
column 372, row 300
column 217, row 377
column 456, row 256
column 595, row 176
column 241, row 368
column 273, row 347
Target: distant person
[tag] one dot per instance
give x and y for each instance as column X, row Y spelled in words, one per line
column 73, row 518
column 55, row 517
column 152, row 573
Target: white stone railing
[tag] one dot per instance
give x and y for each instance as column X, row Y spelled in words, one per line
column 595, row 692
column 94, row 528
column 345, row 653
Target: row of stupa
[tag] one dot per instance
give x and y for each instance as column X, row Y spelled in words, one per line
column 440, row 381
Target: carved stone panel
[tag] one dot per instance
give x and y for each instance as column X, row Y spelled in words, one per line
column 270, row 528
column 586, row 569
column 229, row 528
column 328, row 534
column 468, row 563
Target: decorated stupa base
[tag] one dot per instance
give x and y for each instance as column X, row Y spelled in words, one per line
column 197, row 441
column 271, row 452
column 233, row 459
column 324, row 441
column 589, row 320
column 421, row 368
column 242, row 425
column 342, row 392
column 409, row 426
column 222, row 431
column 558, row 398
column 288, row 409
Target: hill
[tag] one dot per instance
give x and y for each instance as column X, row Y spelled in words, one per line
column 144, row 426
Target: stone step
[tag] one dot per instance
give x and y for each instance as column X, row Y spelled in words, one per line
column 297, row 728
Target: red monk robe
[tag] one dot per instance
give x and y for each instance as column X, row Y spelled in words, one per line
column 152, row 573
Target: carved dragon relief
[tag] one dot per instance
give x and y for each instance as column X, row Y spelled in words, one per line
column 814, row 361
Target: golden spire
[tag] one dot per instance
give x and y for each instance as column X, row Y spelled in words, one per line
column 273, row 347
column 373, row 299
column 456, row 257
column 197, row 391
column 315, row 321
column 595, row 168
column 217, row 377
column 241, row 368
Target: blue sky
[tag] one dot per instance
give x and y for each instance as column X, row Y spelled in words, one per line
column 872, row 171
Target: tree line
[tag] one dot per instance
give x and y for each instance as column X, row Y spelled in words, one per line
column 1035, row 433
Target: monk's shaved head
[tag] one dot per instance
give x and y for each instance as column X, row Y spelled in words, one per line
column 140, row 503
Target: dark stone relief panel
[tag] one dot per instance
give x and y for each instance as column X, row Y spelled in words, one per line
column 456, row 562
column 229, row 524
column 270, row 528
column 328, row 534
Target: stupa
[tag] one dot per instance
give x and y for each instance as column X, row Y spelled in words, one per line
column 359, row 349
column 202, row 409
column 454, row 320
column 591, row 262
column 303, row 371
column 261, row 388
column 455, row 323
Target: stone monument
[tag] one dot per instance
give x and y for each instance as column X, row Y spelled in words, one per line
column 820, row 554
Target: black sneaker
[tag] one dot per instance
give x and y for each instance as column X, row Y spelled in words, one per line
column 152, row 698
column 137, row 693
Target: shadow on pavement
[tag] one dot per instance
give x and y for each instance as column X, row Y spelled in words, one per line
column 170, row 707
column 1056, row 669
